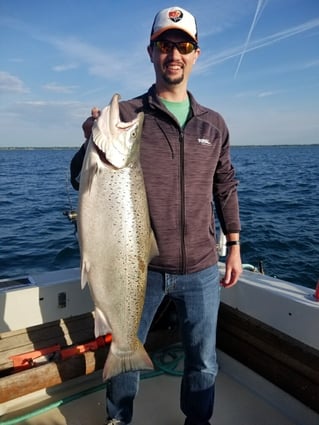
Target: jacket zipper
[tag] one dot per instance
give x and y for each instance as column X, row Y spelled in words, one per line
column 182, row 211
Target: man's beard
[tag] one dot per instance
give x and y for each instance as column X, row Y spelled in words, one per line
column 173, row 81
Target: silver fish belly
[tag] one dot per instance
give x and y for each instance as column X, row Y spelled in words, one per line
column 115, row 236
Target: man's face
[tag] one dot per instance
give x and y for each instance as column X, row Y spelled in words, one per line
column 95, row 113
column 171, row 66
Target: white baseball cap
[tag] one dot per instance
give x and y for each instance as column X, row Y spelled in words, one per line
column 174, row 18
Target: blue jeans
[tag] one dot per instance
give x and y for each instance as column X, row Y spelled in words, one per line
column 197, row 297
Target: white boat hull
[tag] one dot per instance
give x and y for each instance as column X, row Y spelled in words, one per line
column 267, row 324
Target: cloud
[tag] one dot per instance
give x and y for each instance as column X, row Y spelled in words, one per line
column 63, row 68
column 16, row 60
column 47, row 114
column 11, row 84
column 286, row 127
column 114, row 64
column 266, row 94
column 310, row 64
column 99, row 62
column 55, row 87
column 130, row 70
column 257, row 94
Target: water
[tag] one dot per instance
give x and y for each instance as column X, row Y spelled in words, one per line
column 279, row 200
column 279, row 204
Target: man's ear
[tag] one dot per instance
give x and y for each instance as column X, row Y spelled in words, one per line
column 150, row 52
column 196, row 56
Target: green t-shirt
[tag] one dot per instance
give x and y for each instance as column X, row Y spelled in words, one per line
column 180, row 110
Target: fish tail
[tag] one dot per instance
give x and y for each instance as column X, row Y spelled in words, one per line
column 101, row 324
column 116, row 364
column 85, row 267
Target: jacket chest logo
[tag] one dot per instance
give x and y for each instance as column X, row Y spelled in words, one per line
column 204, row 142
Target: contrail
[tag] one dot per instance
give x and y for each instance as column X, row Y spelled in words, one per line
column 259, row 9
column 217, row 59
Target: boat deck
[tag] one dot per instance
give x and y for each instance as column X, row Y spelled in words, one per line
column 264, row 323
column 242, row 398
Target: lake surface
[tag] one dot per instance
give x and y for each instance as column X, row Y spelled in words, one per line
column 279, row 204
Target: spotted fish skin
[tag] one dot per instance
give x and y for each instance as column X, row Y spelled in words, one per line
column 115, row 236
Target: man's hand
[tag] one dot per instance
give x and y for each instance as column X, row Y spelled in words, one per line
column 233, row 267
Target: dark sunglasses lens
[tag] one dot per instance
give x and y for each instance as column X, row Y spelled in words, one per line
column 163, row 46
column 184, row 47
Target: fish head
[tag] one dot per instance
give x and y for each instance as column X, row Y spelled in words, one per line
column 117, row 141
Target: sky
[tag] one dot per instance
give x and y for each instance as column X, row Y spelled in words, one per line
column 259, row 66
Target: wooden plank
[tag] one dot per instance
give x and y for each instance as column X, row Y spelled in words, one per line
column 50, row 374
column 57, row 372
column 71, row 331
column 74, row 330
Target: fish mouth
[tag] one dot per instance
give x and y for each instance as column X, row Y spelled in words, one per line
column 115, row 141
column 102, row 156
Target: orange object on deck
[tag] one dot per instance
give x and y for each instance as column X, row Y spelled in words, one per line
column 88, row 346
column 25, row 360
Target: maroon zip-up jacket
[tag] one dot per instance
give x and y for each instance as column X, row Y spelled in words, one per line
column 185, row 171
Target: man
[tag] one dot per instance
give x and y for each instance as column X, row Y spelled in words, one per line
column 186, row 164
column 88, row 123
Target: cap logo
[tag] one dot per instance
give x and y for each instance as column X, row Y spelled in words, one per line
column 175, row 15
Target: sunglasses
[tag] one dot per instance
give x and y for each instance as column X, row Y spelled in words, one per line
column 184, row 47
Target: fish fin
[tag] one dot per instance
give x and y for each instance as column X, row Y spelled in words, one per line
column 101, row 324
column 116, row 364
column 92, row 174
column 85, row 267
column 88, row 175
column 153, row 246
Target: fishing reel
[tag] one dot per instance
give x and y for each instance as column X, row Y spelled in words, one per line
column 72, row 216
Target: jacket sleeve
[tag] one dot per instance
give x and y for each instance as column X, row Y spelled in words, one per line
column 87, row 127
column 76, row 166
column 225, row 191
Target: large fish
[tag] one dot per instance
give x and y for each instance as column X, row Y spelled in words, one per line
column 115, row 236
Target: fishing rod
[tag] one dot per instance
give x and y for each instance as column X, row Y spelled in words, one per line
column 71, row 213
